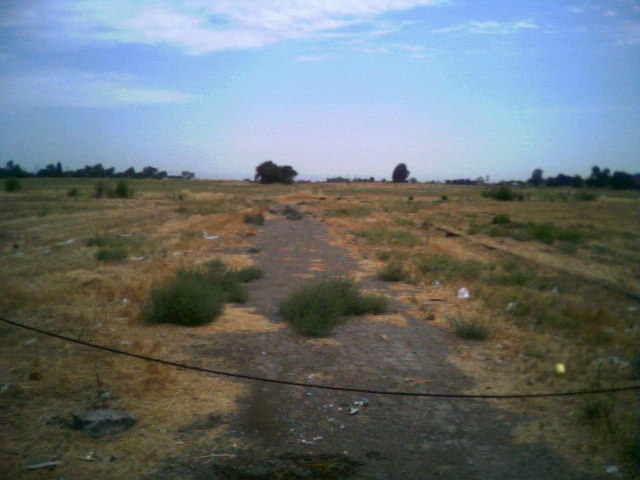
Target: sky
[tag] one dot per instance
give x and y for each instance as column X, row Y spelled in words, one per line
column 451, row 88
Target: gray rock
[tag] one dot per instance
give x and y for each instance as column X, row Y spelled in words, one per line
column 99, row 422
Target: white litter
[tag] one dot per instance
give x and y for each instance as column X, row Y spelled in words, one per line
column 464, row 293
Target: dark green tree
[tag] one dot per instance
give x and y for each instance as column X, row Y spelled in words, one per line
column 400, row 173
column 269, row 172
column 536, row 177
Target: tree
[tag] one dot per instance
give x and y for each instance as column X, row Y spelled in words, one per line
column 269, row 172
column 536, row 177
column 400, row 173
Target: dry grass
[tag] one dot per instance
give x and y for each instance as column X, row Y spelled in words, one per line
column 50, row 279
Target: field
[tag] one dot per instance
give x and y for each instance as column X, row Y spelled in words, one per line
column 552, row 279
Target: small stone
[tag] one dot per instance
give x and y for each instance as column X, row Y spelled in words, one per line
column 103, row 421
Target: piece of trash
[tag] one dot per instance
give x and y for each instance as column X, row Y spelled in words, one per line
column 560, row 370
column 361, row 403
column 437, row 283
column 464, row 293
column 31, row 341
column 38, row 466
column 512, row 306
column 66, row 242
column 353, row 410
column 126, row 342
column 208, row 237
column 124, row 301
column 612, row 470
column 555, row 290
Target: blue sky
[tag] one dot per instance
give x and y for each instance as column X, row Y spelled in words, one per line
column 453, row 89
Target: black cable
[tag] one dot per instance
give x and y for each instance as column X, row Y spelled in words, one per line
column 313, row 385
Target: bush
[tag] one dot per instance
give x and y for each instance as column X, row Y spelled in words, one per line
column 503, row 193
column 445, row 267
column 197, row 296
column 74, row 192
column 114, row 253
column 186, row 301
column 393, row 271
column 470, row 329
column 292, row 213
column 255, row 219
column 501, row 219
column 12, row 185
column 315, row 309
column 123, row 190
column 100, row 189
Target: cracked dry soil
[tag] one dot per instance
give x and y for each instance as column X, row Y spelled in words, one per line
column 297, row 433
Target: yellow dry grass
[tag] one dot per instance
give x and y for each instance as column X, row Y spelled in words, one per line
column 52, row 280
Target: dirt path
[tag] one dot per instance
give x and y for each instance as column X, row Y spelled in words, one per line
column 296, row 433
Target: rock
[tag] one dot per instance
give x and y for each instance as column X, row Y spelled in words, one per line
column 99, row 422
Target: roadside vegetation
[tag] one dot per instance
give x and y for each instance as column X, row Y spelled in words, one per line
column 317, row 308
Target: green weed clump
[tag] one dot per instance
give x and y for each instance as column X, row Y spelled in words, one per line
column 393, row 271
column 12, row 185
column 110, row 247
column 445, row 267
column 470, row 329
column 115, row 253
column 502, row 193
column 317, row 308
column 292, row 213
column 197, row 296
column 387, row 236
column 254, row 218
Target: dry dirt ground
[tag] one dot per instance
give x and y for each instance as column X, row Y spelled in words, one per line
column 299, row 433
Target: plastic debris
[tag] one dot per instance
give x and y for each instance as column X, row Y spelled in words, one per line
column 208, row 237
column 38, row 466
column 357, row 405
column 512, row 306
column 464, row 293
column 66, row 242
column 612, row 470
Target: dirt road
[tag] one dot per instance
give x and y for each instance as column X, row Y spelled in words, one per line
column 297, row 433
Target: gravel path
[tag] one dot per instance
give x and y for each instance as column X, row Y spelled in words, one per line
column 297, row 433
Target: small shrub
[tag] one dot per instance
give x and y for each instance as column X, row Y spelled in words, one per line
column 123, row 190
column 445, row 267
column 470, row 329
column 185, row 301
column 12, row 185
column 501, row 219
column 393, row 271
column 100, row 189
column 248, row 274
column 386, row 236
column 292, row 213
column 502, row 193
column 114, row 253
column 197, row 296
column 254, row 218
column 317, row 308
column 74, row 192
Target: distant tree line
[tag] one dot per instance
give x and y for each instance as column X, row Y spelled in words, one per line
column 13, row 170
column 599, row 178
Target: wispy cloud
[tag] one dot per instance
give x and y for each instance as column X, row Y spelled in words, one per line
column 200, row 26
column 68, row 88
column 489, row 27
